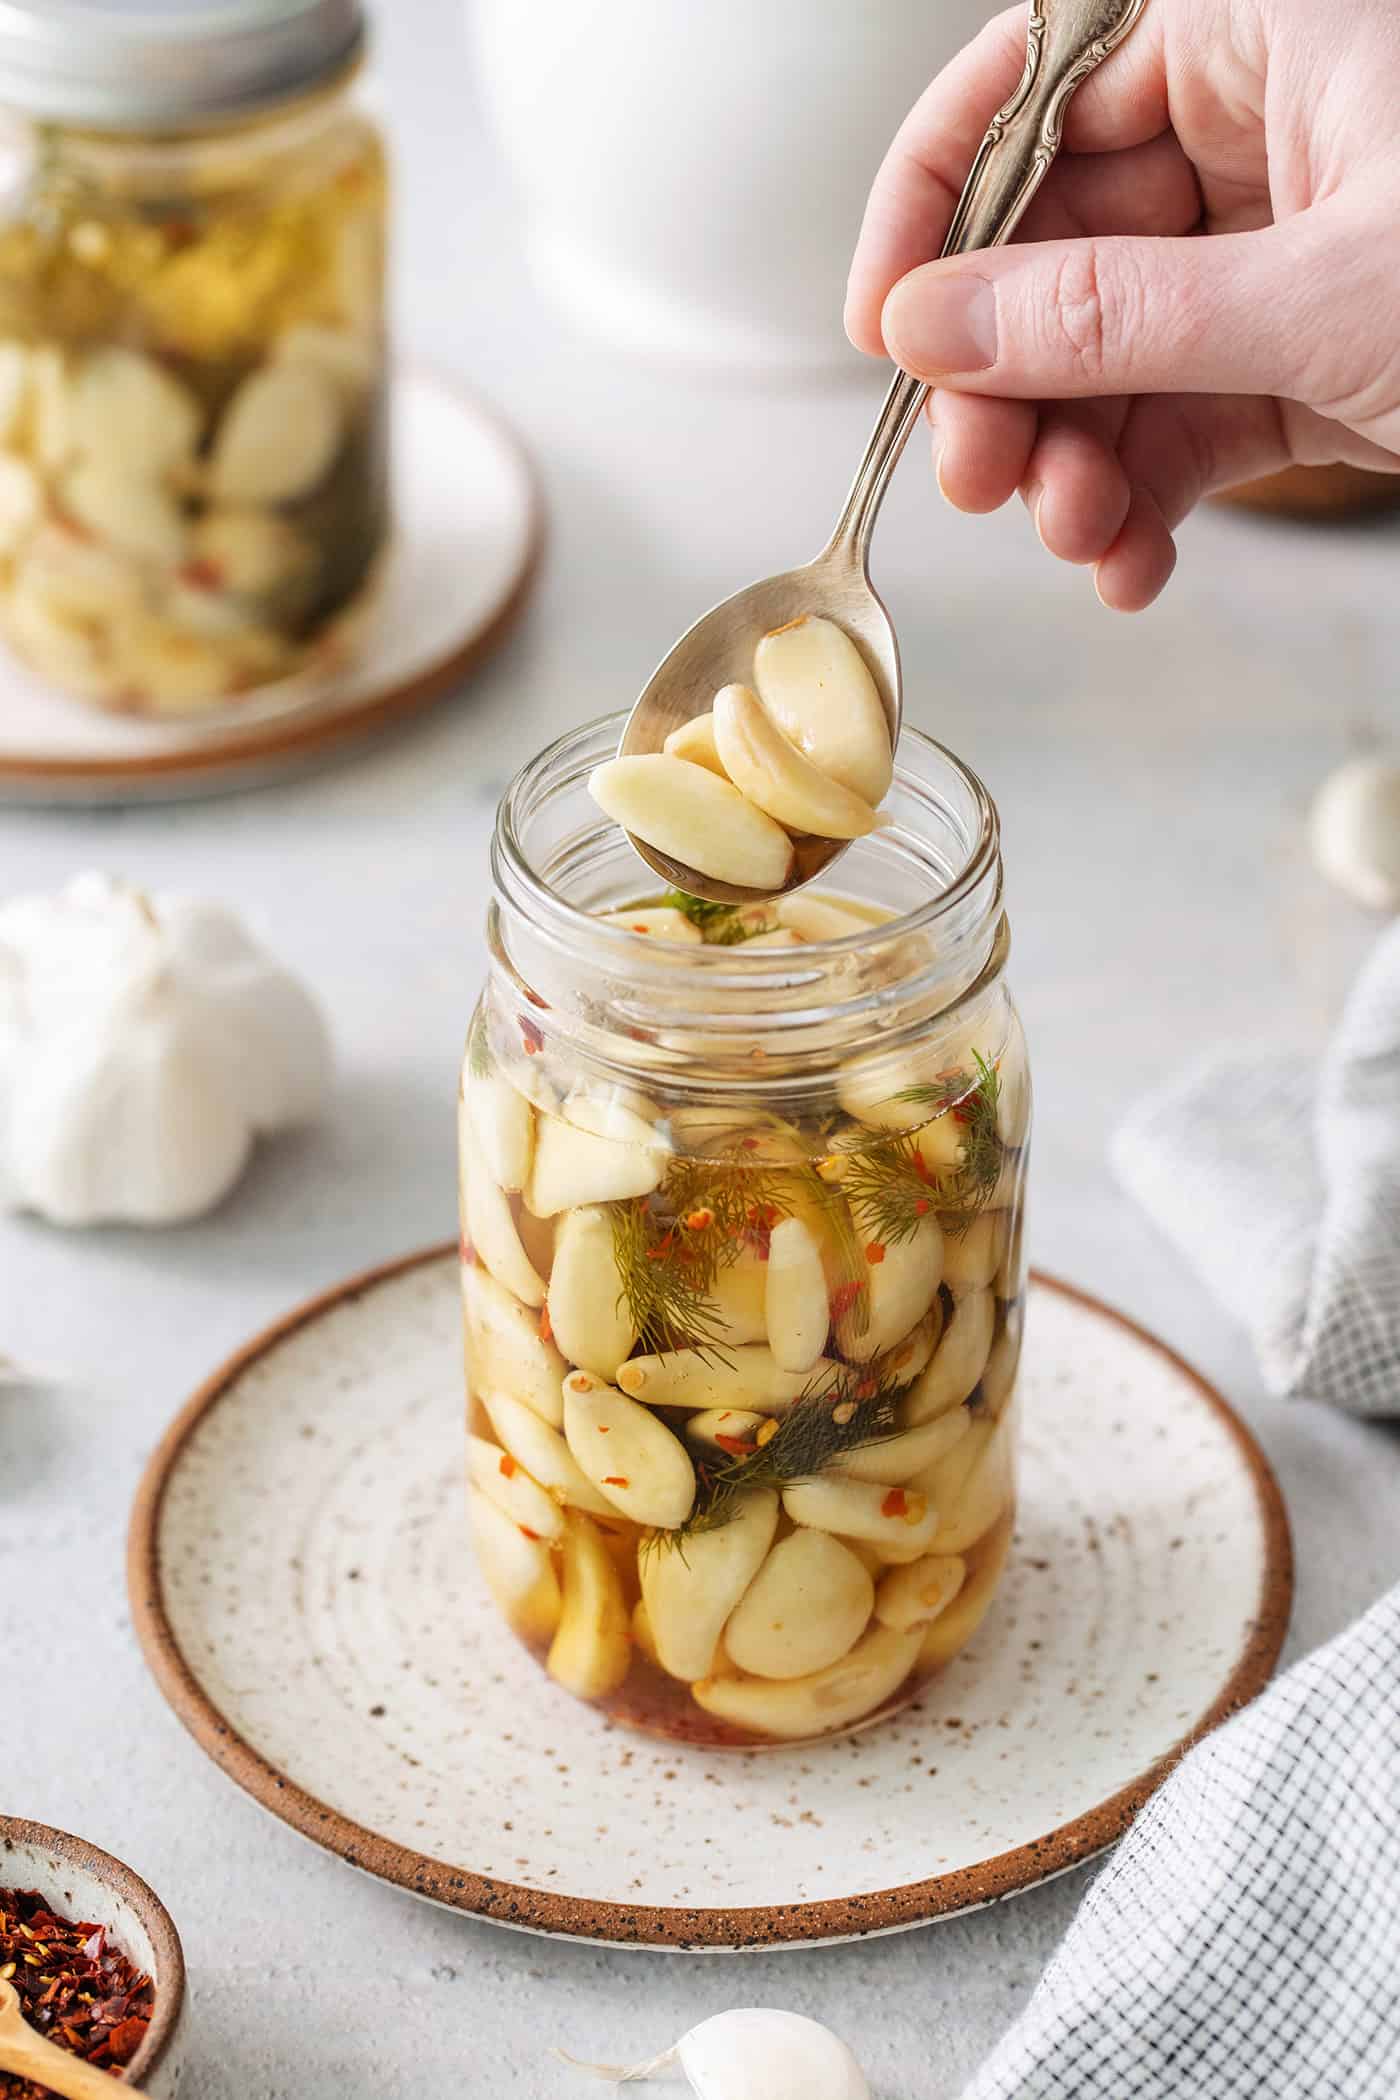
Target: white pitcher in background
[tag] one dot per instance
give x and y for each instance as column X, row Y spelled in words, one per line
column 694, row 171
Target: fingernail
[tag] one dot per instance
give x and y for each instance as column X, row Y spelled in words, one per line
column 942, row 322
column 938, row 474
column 1034, row 500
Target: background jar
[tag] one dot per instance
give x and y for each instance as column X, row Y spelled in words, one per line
column 193, row 474
column 742, row 1265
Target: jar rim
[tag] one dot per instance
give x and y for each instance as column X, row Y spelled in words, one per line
column 526, row 887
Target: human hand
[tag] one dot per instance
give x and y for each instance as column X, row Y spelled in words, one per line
column 1122, row 366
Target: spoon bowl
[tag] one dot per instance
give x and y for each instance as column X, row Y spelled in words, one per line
column 1065, row 41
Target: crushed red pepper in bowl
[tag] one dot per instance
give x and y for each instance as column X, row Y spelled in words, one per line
column 75, row 1988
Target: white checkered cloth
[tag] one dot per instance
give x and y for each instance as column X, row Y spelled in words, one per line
column 1280, row 1180
column 1244, row 1941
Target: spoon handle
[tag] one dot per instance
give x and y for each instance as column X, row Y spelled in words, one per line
column 1065, row 41
column 30, row 2055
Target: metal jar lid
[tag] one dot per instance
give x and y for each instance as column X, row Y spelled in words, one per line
column 134, row 65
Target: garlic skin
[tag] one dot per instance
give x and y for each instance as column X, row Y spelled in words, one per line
column 1354, row 831
column 146, row 1043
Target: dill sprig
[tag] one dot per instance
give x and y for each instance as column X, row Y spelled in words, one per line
column 974, row 1104
column 832, row 1417
column 671, row 1245
column 720, row 925
column 889, row 1184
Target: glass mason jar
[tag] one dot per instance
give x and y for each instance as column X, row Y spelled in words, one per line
column 741, row 1263
column 193, row 483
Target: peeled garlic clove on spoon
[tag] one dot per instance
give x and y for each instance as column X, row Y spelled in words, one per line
column 1355, row 832
column 696, row 818
column 754, row 2053
column 695, row 740
column 777, row 778
column 814, row 682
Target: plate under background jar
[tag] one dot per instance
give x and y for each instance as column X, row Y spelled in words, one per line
column 193, row 473
column 742, row 1265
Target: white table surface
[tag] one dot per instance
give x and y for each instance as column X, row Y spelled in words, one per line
column 1153, row 776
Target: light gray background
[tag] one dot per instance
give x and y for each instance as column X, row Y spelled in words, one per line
column 1153, row 776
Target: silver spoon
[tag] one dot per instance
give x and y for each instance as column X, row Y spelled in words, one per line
column 1065, row 41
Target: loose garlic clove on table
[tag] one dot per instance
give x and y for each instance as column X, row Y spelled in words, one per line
column 696, row 817
column 775, row 775
column 814, row 682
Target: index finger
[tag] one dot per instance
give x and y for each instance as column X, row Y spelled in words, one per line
column 914, row 194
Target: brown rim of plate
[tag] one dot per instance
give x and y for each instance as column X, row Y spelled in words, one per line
column 668, row 1926
column 169, row 1977
column 286, row 740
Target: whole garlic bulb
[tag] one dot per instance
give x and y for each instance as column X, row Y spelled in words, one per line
column 145, row 1044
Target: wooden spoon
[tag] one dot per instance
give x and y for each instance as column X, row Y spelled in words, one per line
column 29, row 2055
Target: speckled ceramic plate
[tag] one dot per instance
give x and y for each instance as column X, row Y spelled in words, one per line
column 467, row 534
column 304, row 1594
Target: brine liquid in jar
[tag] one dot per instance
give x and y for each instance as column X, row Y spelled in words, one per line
column 742, row 1422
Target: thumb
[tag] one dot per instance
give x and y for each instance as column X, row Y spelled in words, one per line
column 1223, row 313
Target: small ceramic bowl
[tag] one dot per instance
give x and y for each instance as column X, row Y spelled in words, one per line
column 81, row 1882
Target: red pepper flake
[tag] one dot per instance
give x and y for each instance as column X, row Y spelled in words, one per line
column 748, row 1144
column 546, row 1329
column 736, row 1446
column 868, row 1387
column 75, row 1988
column 638, row 927
column 700, row 1220
column 921, row 1208
column 467, row 1252
column 875, row 1253
column 526, row 1533
column 616, row 1480
column 844, row 1297
column 508, row 1466
column 530, row 1036
column 201, row 574
column 894, row 1504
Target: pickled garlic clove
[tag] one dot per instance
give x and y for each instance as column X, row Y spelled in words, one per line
column 739, row 1295
column 173, row 673
column 814, row 682
column 643, row 1639
column 250, row 552
column 955, row 1625
column 816, row 919
column 901, row 1279
column 519, row 1571
column 622, row 1115
column 696, row 818
column 543, row 1453
column 908, row 1358
column 587, row 1306
column 915, row 1595
column 972, row 1257
column 50, row 409
column 797, row 1309
column 695, row 741
column 58, row 645
column 806, row 1607
column 573, row 1166
column 727, row 1429
column 662, row 921
column 691, row 1587
column 896, row 1460
column 503, row 1123
column 21, row 502
column 636, row 1461
column 749, row 1377
column 897, row 1518
column 505, row 1349
column 776, row 777
column 999, row 1376
column 959, row 1360
column 774, row 937
column 835, row 1697
column 132, row 415
column 491, row 1229
column 79, row 580
column 348, row 362
column 139, row 517
column 972, row 1485
column 504, row 1481
column 14, row 389
column 592, row 1651
column 277, row 438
